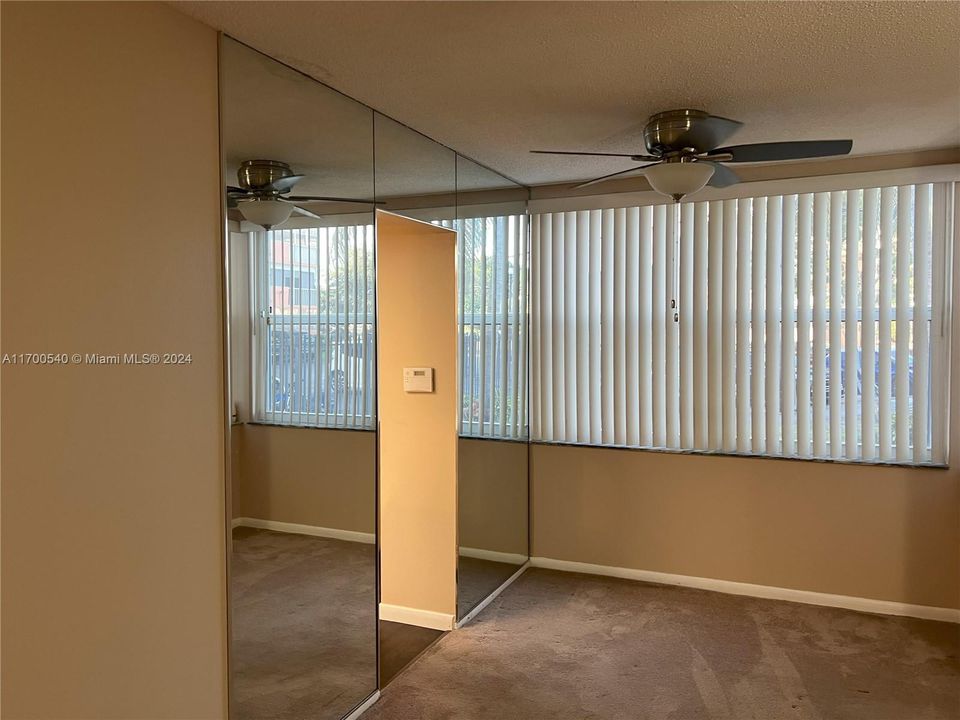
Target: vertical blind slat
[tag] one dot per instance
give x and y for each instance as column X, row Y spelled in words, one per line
column 743, row 313
column 700, row 310
column 644, row 320
column 902, row 326
column 728, row 342
column 868, row 307
column 632, row 313
column 888, row 198
column 607, row 325
column 659, row 311
column 715, row 310
column 686, row 327
column 921, row 328
column 596, row 407
column 619, row 330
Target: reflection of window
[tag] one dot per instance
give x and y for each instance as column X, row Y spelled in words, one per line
column 807, row 325
column 492, row 257
column 315, row 334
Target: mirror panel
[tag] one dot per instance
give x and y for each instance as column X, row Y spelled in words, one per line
column 416, row 177
column 303, row 578
column 493, row 292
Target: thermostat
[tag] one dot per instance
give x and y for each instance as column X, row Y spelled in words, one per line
column 418, row 380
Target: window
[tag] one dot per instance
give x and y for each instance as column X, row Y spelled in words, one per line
column 492, row 296
column 314, row 331
column 809, row 325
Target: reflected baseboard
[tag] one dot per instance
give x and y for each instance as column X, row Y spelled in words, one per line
column 364, row 706
column 481, row 606
column 299, row 529
column 415, row 616
column 496, row 556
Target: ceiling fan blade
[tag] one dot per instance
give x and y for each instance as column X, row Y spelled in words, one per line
column 765, row 152
column 722, row 175
column 597, row 154
column 284, row 184
column 306, row 213
column 709, row 132
column 611, row 175
column 318, row 198
column 235, row 190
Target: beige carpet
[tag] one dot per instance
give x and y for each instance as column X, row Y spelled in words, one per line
column 303, row 626
column 557, row 645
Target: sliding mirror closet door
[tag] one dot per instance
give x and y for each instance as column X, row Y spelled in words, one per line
column 302, row 502
column 416, row 192
column 492, row 296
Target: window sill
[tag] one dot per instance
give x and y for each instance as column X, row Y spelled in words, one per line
column 723, row 453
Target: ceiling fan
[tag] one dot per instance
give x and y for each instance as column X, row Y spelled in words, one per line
column 683, row 152
column 262, row 193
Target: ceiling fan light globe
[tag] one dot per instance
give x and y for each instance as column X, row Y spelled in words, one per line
column 677, row 179
column 266, row 213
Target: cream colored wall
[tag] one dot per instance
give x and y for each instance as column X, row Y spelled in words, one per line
column 310, row 476
column 883, row 533
column 492, row 495
column 416, row 306
column 113, row 476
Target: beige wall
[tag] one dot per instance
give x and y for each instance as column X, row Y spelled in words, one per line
column 113, row 476
column 884, row 533
column 416, row 305
column 309, row 476
column 492, row 495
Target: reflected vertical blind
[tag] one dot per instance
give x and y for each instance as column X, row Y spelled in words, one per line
column 314, row 326
column 810, row 325
column 492, row 271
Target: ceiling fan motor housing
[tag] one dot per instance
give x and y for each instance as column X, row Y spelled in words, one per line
column 686, row 132
column 257, row 174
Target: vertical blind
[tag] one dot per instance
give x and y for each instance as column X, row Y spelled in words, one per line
column 314, row 329
column 492, row 271
column 809, row 325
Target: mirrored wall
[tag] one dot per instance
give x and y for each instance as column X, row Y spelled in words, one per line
column 303, row 573
column 305, row 167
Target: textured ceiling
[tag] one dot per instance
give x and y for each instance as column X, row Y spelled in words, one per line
column 494, row 80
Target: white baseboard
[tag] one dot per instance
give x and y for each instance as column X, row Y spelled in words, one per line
column 491, row 597
column 364, row 706
column 495, row 555
column 883, row 607
column 413, row 616
column 298, row 529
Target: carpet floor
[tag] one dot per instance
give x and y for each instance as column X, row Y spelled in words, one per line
column 304, row 622
column 560, row 645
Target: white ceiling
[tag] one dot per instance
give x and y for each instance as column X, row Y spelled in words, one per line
column 494, row 80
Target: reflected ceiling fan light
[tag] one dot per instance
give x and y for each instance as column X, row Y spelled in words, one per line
column 265, row 213
column 677, row 179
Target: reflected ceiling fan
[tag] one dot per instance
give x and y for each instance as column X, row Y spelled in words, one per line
column 683, row 152
column 262, row 195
